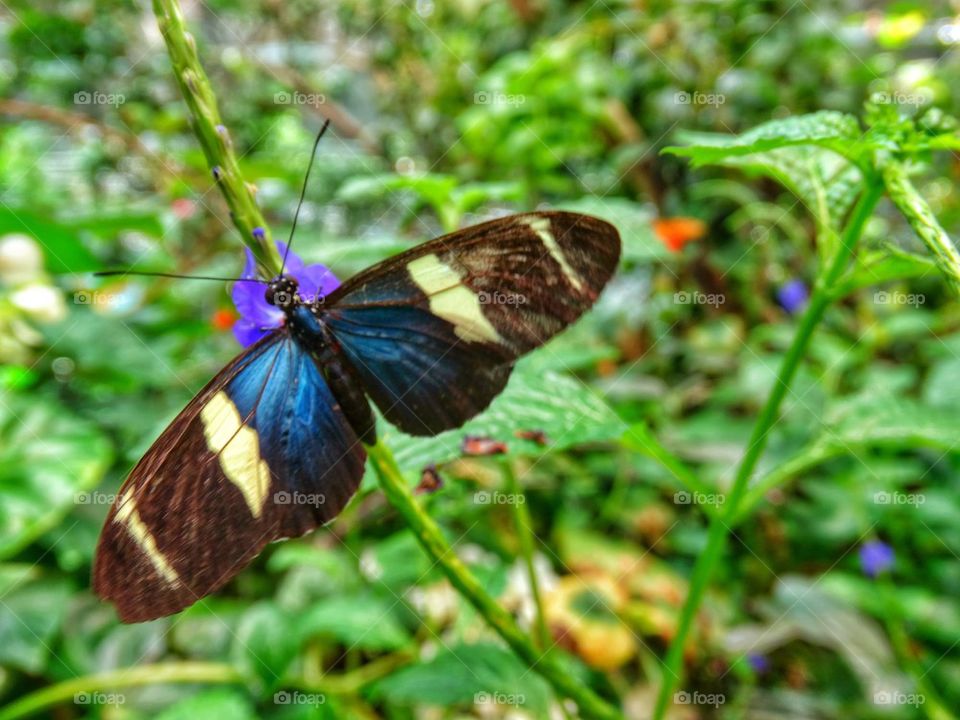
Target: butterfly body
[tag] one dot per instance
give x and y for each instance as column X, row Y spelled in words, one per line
column 305, row 321
column 272, row 447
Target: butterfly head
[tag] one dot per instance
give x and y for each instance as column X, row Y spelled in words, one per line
column 282, row 292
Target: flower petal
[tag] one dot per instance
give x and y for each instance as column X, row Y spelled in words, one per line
column 250, row 299
column 316, row 281
column 247, row 333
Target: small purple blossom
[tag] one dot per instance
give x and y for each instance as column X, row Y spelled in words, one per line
column 257, row 316
column 875, row 557
column 759, row 663
column 793, row 296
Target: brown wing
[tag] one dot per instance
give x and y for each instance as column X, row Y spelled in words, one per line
column 432, row 332
column 261, row 453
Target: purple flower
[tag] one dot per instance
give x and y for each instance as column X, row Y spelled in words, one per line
column 793, row 296
column 758, row 662
column 875, row 557
column 257, row 316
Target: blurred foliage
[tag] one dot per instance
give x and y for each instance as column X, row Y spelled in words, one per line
column 445, row 114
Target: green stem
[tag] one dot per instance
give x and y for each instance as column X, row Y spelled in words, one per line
column 68, row 690
column 780, row 474
column 924, row 223
column 717, row 533
column 524, row 525
column 431, row 538
column 213, row 136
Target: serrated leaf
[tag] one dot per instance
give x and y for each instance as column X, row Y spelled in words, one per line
column 824, row 182
column 829, row 129
column 563, row 407
column 48, row 460
column 466, row 675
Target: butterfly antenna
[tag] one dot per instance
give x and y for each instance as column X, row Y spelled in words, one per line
column 303, row 192
column 107, row 273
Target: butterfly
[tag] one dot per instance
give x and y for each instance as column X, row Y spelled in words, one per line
column 273, row 446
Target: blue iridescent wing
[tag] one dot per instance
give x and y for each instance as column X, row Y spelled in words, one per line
column 432, row 333
column 262, row 453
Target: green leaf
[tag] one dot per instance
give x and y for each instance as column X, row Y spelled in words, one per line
column 934, row 617
column 563, row 407
column 941, row 388
column 363, row 621
column 215, row 704
column 482, row 674
column 886, row 264
column 885, row 421
column 31, row 614
column 266, row 642
column 48, row 459
column 832, row 130
column 824, row 182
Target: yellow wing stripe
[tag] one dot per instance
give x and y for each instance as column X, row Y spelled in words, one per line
column 238, row 447
column 127, row 515
column 451, row 300
column 541, row 226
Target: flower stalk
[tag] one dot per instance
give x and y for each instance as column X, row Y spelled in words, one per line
column 213, row 135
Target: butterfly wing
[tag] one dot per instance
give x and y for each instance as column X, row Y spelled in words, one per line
column 263, row 452
column 432, row 333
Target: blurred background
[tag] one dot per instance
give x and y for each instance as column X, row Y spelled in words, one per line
column 837, row 594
